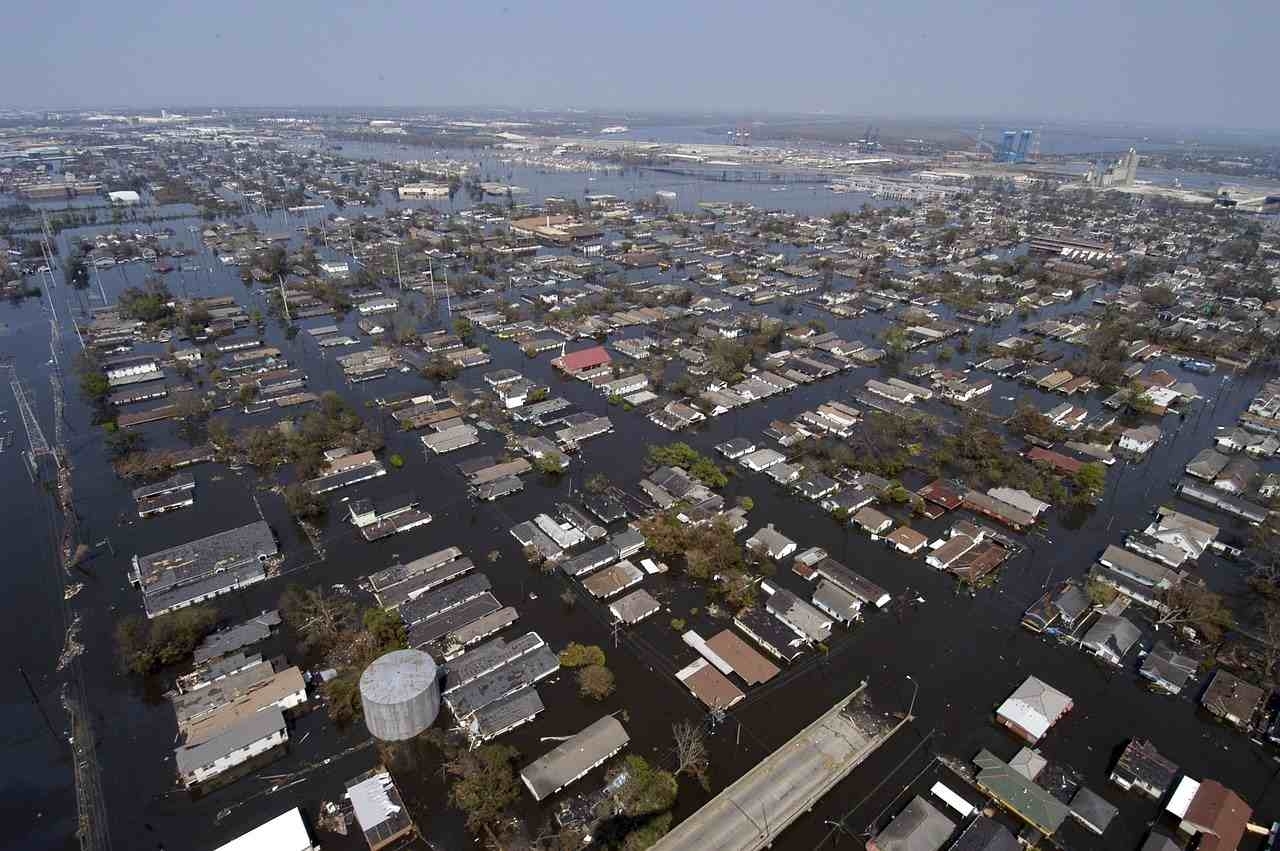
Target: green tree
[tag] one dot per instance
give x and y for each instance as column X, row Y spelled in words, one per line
column 580, row 655
column 484, row 783
column 595, row 682
column 647, row 790
column 1091, row 478
column 386, row 628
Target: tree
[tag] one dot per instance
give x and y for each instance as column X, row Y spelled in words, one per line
column 464, row 329
column 647, row 790
column 322, row 620
column 692, row 757
column 1270, row 638
column 94, row 385
column 549, row 464
column 1091, row 478
column 1191, row 604
column 146, row 646
column 577, row 655
column 386, row 629
column 485, row 783
column 304, row 503
column 935, row 218
column 595, row 682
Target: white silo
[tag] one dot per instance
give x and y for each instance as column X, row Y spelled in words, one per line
column 400, row 692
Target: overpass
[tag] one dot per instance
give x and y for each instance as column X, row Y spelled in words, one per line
column 750, row 813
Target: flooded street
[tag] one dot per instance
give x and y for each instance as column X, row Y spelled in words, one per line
column 963, row 649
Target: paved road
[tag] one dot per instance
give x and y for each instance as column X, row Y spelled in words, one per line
column 750, row 813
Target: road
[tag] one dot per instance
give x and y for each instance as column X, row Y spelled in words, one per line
column 750, row 813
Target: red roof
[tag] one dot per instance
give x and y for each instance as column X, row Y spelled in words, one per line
column 1054, row 459
column 941, row 493
column 584, row 359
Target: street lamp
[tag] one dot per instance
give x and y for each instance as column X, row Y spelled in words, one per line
column 914, row 691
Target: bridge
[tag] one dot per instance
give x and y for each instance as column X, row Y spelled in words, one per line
column 750, row 814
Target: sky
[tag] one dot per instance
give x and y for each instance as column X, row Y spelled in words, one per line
column 1182, row 63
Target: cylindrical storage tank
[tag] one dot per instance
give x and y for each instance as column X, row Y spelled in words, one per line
column 400, row 692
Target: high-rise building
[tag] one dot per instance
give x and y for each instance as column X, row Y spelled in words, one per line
column 1122, row 172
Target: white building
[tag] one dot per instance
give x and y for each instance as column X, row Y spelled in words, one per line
column 285, row 832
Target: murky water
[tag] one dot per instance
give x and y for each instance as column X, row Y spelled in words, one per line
column 966, row 652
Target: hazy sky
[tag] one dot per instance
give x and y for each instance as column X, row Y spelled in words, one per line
column 1163, row 61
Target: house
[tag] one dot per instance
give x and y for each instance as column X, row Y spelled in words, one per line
column 985, row 834
column 907, row 540
column 1207, row 464
column 1092, row 810
column 573, row 758
column 1168, row 670
column 1062, row 609
column 1144, row 769
column 1189, row 534
column 919, row 827
column 379, row 810
column 771, row 542
column 1139, row 440
column 872, row 521
column 582, row 360
column 254, row 735
column 948, row 553
column 1019, row 499
column 1212, row 812
column 1032, row 709
column 1111, row 637
column 1020, row 796
column 1237, row 476
column 761, row 459
column 806, row 621
column 1232, row 699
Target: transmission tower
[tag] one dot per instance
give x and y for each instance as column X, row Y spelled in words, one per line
column 35, row 435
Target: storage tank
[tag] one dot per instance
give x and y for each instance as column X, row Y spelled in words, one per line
column 400, row 692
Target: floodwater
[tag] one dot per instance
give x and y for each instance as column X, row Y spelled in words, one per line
column 965, row 652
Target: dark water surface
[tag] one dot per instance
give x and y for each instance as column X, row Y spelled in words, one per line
column 966, row 651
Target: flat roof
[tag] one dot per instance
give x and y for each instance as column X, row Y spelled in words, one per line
column 285, row 832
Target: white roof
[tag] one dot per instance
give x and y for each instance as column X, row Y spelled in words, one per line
column 952, row 800
column 1183, row 796
column 285, row 832
column 372, row 802
column 1034, row 706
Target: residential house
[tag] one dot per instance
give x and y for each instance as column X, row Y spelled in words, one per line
column 1144, row 769
column 1032, row 709
column 1232, row 699
column 919, row 827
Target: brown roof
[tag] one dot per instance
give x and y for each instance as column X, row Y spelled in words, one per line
column 908, row 537
column 710, row 686
column 983, row 558
column 747, row 663
column 1219, row 815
